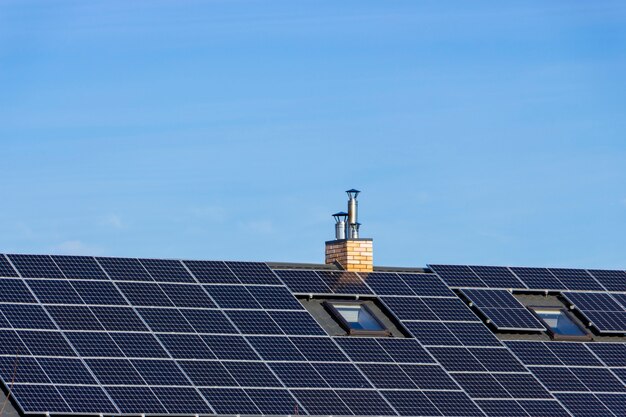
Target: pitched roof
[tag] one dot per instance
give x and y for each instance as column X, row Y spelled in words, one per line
column 85, row 335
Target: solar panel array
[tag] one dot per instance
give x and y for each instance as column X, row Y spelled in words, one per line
column 84, row 335
column 503, row 310
column 604, row 311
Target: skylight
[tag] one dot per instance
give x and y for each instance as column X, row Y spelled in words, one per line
column 559, row 322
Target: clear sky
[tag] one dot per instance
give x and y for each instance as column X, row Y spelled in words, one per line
column 479, row 132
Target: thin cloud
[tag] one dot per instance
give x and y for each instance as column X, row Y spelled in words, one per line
column 114, row 221
column 75, row 247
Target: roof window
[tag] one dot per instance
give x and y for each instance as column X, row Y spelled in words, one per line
column 355, row 318
column 560, row 324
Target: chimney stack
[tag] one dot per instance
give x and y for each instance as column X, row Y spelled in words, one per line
column 348, row 250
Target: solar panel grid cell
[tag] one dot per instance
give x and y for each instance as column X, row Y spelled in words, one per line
column 119, row 319
column 40, row 399
column 481, row 385
column 411, row 403
column 298, row 375
column 183, row 295
column 601, row 309
column 538, row 278
column 165, row 320
column 6, row 270
column 99, row 293
column 27, row 316
column 429, row 285
column 274, row 402
column 36, row 266
column 22, row 370
column 79, row 267
column 611, row 280
column 386, row 283
column 457, row 276
column 432, row 334
column 45, row 343
column 211, row 272
column 206, row 373
column 576, row 279
column 230, row 347
column 66, row 371
column 253, row 273
column 15, row 291
column 450, row 309
column 84, row 399
column 583, row 405
column 124, row 269
column 165, row 270
column 497, row 277
column 182, row 400
column 306, row 282
column 341, row 282
column 295, row 323
column 409, row 308
column 232, row 296
column 274, row 297
column 275, row 348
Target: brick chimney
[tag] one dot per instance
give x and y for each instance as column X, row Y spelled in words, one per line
column 348, row 250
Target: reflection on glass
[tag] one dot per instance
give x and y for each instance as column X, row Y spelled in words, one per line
column 358, row 317
column 559, row 322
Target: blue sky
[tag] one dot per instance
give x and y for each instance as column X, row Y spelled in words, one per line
column 479, row 132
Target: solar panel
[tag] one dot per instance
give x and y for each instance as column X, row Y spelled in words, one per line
column 230, row 347
column 598, row 379
column 409, row 308
column 426, row 285
column 432, row 334
column 183, row 295
column 136, row 400
column 22, row 370
column 79, row 267
column 275, row 348
column 583, row 405
column 319, row 349
column 543, row 408
column 273, row 402
column 165, row 320
column 98, row 293
column 45, row 342
column 450, row 309
column 321, row 402
column 296, row 323
column 497, row 360
column 496, row 408
column 481, row 385
column 139, row 345
column 186, row 346
column 559, row 379
column 254, row 322
column 363, row 402
column 211, row 272
column 27, row 316
column 208, row 373
column 386, row 376
column 363, row 350
column 522, row 386
column 620, row 298
column 341, row 282
column 456, row 359
column 576, row 279
column 573, row 353
column 209, row 321
column 6, row 270
column 181, row 400
column 614, row 402
column 472, row 334
column 611, row 354
column 341, row 375
column 457, row 276
column 533, row 353
column 230, row 401
column 253, row 273
column 124, row 269
column 503, row 310
column 74, row 318
column 404, row 350
column 232, row 296
column 277, row 298
column 115, row 372
column 538, row 278
column 144, row 294
column 15, row 291
column 611, row 280
column 304, row 282
column 411, row 403
column 386, row 283
column 66, row 371
column 35, row 266
column 40, row 399
column 453, row 403
column 165, row 270
column 54, row 292
column 497, row 277
column 604, row 313
column 298, row 375
column 429, row 377
column 84, row 399
column 92, row 344
column 252, row 374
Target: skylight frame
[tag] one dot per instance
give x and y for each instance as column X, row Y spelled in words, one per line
column 330, row 306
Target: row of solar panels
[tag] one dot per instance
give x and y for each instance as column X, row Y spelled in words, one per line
column 553, row 279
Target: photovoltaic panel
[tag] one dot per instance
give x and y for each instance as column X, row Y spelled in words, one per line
column 166, row 270
column 583, row 405
column 342, row 282
column 363, row 402
column 411, row 403
column 363, row 350
column 481, row 385
column 45, row 343
column 186, row 346
column 136, row 400
column 279, row 298
column 252, row 374
column 208, row 321
column 15, row 291
column 538, row 278
column 319, row 349
column 79, row 267
column 321, row 402
column 26, row 316
column 543, row 408
column 230, row 401
column 426, row 285
column 409, row 308
column 598, row 379
column 559, row 379
column 40, row 399
column 36, row 266
column 450, row 309
column 84, row 399
column 522, row 386
column 144, row 294
column 275, row 348
column 341, row 375
column 232, row 296
column 99, row 293
column 274, row 402
column 54, row 291
column 10, row 344
column 208, row 373
column 432, row 334
column 253, row 273
column 404, row 350
column 302, row 281
column 503, row 310
column 74, row 317
column 573, row 353
column 497, row 408
column 456, row 359
column 181, row 400
column 66, row 371
column 386, row 283
column 139, row 345
column 124, row 269
column 211, row 272
column 497, row 277
column 92, row 344
column 602, row 310
column 296, row 323
column 6, row 270
column 386, row 376
column 576, row 279
column 429, row 377
column 497, row 360
column 160, row 372
column 611, row 280
column 614, row 402
column 115, row 372
column 254, row 322
column 165, row 320
column 298, row 375
column 183, row 295
column 611, row 354
column 458, row 276
column 621, row 299
column 472, row 334
column 533, row 353
column 453, row 403
column 22, row 370
column 230, row 347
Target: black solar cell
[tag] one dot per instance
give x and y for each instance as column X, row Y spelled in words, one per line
column 211, row 272
column 307, row 282
column 386, row 283
column 165, row 320
column 79, row 267
column 124, row 269
column 15, row 291
column 36, row 266
column 458, row 276
column 253, row 273
column 165, row 270
column 6, row 270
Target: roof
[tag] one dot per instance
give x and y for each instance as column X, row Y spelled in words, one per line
column 94, row 335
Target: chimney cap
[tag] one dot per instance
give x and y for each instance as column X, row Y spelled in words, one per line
column 342, row 215
column 353, row 193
